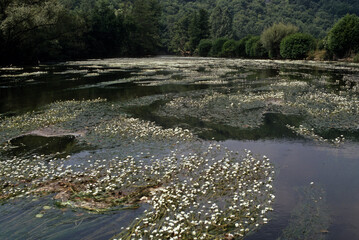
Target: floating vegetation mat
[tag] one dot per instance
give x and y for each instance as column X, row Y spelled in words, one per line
column 51, row 115
column 242, row 109
column 328, row 110
column 321, row 110
column 310, row 219
column 201, row 191
column 118, row 155
column 309, row 133
column 208, row 198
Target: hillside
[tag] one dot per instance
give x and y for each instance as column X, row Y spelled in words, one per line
column 253, row 16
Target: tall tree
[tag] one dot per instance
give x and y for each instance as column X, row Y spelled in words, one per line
column 221, row 23
column 146, row 35
column 25, row 25
column 180, row 36
column 198, row 28
column 272, row 37
column 106, row 34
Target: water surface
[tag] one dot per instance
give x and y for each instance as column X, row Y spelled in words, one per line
column 293, row 112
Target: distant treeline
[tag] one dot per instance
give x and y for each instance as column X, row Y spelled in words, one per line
column 54, row 30
column 279, row 41
column 36, row 30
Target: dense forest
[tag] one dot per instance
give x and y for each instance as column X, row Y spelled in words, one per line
column 45, row 30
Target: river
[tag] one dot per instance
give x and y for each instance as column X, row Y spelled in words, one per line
column 136, row 113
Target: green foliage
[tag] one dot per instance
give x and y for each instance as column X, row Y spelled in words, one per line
column 204, row 47
column 321, row 44
column 297, row 46
column 254, row 48
column 198, row 28
column 343, row 38
column 356, row 58
column 272, row 37
column 66, row 29
column 145, row 38
column 229, row 48
column 106, row 30
column 63, row 29
column 221, row 23
column 26, row 26
column 217, row 46
column 180, row 36
column 241, row 47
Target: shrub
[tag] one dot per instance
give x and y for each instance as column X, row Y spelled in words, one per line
column 297, row 46
column 241, row 47
column 356, row 58
column 318, row 55
column 343, row 38
column 272, row 37
column 217, row 46
column 254, row 48
column 229, row 48
column 321, row 44
column 204, row 47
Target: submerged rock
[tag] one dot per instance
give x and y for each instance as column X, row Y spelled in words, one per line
column 46, row 141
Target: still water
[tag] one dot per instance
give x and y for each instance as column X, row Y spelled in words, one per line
column 304, row 116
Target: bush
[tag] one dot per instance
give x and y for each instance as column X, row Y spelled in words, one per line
column 204, row 47
column 272, row 37
column 241, row 47
column 217, row 46
column 343, row 38
column 321, row 44
column 356, row 58
column 297, row 46
column 254, row 48
column 229, row 48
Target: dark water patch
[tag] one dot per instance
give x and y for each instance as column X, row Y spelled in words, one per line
column 299, row 164
column 37, row 144
column 19, row 221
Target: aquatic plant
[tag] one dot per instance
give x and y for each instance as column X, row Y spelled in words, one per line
column 209, row 198
column 310, row 219
column 205, row 192
column 54, row 113
column 310, row 134
column 125, row 127
column 328, row 110
column 240, row 109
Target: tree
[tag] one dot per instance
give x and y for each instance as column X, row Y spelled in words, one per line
column 272, row 37
column 198, row 28
column 297, row 46
column 343, row 38
column 145, row 36
column 221, row 23
column 204, row 47
column 241, row 47
column 107, row 31
column 180, row 36
column 217, row 46
column 229, row 48
column 25, row 26
column 254, row 48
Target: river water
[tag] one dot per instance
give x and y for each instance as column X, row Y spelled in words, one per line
column 304, row 116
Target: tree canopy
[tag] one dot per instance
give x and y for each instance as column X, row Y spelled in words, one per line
column 343, row 38
column 37, row 30
column 272, row 37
